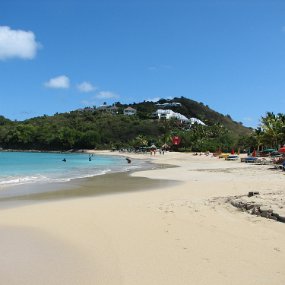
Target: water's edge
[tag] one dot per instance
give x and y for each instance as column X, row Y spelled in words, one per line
column 110, row 183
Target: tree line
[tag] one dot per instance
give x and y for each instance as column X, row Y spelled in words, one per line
column 89, row 129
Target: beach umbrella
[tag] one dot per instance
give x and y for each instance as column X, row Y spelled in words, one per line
column 282, row 149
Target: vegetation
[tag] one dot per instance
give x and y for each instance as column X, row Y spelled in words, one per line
column 99, row 128
column 270, row 134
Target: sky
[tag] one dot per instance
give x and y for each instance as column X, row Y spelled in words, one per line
column 60, row 55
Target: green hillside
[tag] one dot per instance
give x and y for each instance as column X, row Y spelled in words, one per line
column 191, row 108
column 107, row 127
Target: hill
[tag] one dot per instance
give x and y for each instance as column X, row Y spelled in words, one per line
column 108, row 127
column 191, row 108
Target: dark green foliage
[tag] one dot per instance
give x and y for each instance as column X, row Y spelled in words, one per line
column 191, row 108
column 4, row 121
column 270, row 134
column 91, row 128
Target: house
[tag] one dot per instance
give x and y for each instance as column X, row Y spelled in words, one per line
column 169, row 114
column 197, row 121
column 129, row 111
column 169, row 104
column 109, row 109
column 114, row 110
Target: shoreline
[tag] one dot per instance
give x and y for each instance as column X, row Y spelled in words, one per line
column 182, row 233
column 101, row 184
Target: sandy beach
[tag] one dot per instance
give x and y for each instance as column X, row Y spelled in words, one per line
column 166, row 233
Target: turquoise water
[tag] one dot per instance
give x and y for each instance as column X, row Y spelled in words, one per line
column 26, row 167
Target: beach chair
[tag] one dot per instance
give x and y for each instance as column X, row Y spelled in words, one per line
column 250, row 159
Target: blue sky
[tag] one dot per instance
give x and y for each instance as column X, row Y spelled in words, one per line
column 60, row 55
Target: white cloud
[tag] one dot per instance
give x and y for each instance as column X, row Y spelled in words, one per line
column 17, row 43
column 103, row 95
column 61, row 82
column 86, row 87
column 107, row 95
column 153, row 99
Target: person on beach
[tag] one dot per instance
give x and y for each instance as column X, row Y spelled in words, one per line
column 128, row 160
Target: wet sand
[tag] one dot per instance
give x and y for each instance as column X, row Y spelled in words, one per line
column 114, row 183
column 181, row 233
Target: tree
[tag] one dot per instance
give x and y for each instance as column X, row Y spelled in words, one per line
column 273, row 127
column 140, row 141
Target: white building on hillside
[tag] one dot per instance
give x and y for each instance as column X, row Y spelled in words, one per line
column 129, row 111
column 169, row 114
column 197, row 121
column 169, row 104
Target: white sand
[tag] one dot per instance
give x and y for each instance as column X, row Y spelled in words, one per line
column 184, row 234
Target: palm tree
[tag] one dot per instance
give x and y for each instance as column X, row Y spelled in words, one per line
column 273, row 129
column 269, row 125
column 281, row 128
column 140, row 141
column 258, row 136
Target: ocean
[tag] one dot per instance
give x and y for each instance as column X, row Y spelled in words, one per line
column 18, row 168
